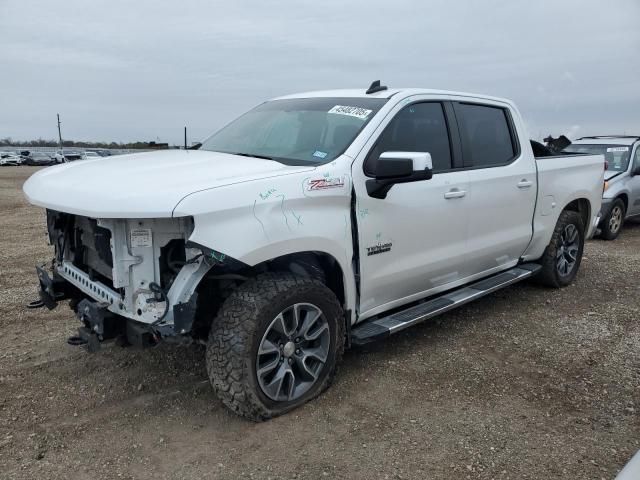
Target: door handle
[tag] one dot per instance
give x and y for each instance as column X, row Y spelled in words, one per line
column 455, row 193
column 524, row 183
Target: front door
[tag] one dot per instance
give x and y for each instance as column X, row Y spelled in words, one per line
column 413, row 241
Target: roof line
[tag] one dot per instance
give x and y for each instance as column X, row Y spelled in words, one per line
column 595, row 137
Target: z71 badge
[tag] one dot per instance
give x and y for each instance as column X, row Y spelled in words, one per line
column 324, row 183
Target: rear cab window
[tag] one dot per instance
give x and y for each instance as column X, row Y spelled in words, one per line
column 487, row 135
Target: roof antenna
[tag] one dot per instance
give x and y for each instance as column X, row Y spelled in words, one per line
column 375, row 87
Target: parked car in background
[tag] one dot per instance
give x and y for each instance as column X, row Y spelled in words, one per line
column 59, row 157
column 38, row 159
column 102, row 153
column 9, row 159
column 88, row 155
column 71, row 155
column 621, row 196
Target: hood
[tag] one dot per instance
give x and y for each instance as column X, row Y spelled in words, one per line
column 142, row 185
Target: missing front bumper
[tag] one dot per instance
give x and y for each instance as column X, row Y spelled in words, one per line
column 52, row 290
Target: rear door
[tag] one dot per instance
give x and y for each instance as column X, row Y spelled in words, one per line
column 502, row 186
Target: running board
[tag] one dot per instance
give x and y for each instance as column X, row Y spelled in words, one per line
column 380, row 328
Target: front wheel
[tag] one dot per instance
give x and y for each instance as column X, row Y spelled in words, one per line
column 562, row 257
column 612, row 223
column 275, row 344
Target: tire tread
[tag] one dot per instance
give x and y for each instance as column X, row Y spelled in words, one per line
column 548, row 275
column 606, row 233
column 228, row 355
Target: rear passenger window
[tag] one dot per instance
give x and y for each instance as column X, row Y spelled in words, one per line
column 486, row 135
column 420, row 127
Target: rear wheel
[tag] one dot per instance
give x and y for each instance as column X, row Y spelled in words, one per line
column 561, row 260
column 612, row 223
column 275, row 344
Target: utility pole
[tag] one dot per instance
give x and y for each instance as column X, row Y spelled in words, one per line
column 59, row 135
column 185, row 138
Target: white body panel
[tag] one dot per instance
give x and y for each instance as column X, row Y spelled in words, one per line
column 561, row 180
column 501, row 202
column 256, row 210
column 631, row 470
column 142, row 185
column 267, row 218
column 428, row 235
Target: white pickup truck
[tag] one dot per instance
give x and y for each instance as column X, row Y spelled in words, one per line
column 312, row 223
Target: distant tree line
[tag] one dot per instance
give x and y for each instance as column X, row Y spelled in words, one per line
column 40, row 142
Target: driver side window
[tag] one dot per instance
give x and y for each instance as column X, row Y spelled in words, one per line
column 420, row 127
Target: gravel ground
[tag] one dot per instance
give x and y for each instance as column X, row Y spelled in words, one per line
column 528, row 383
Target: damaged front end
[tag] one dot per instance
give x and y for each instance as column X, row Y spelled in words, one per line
column 130, row 278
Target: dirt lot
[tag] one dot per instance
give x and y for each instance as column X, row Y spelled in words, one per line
column 527, row 383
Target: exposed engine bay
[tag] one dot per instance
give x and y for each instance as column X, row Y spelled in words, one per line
column 140, row 269
column 142, row 280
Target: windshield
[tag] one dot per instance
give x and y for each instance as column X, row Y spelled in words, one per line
column 299, row 131
column 616, row 156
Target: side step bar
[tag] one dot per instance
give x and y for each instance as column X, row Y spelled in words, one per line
column 382, row 327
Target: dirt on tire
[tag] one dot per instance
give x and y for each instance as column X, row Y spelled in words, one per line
column 230, row 357
column 549, row 275
column 527, row 383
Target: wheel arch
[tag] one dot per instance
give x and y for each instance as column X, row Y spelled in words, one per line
column 625, row 199
column 544, row 224
column 315, row 264
column 583, row 207
column 228, row 275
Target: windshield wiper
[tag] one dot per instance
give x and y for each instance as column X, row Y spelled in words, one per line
column 253, row 155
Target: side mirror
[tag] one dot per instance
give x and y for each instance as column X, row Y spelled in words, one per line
column 399, row 167
column 635, row 170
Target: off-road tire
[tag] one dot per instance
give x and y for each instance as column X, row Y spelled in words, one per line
column 239, row 327
column 550, row 275
column 609, row 232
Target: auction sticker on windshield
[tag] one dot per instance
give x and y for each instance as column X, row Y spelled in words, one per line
column 357, row 112
column 618, row 149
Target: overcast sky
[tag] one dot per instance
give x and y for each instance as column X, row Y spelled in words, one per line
column 142, row 69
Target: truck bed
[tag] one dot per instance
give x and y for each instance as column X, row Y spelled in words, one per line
column 561, row 179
